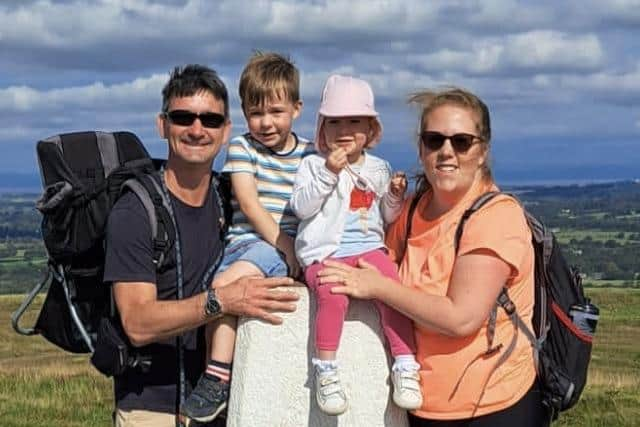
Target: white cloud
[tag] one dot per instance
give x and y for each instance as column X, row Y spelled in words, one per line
column 527, row 53
column 622, row 11
column 552, row 49
column 618, row 87
column 94, row 96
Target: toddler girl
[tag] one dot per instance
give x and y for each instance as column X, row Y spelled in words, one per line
column 343, row 197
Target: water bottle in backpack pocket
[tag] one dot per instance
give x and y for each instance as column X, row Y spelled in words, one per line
column 585, row 317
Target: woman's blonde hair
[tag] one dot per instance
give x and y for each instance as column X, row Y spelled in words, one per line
column 429, row 100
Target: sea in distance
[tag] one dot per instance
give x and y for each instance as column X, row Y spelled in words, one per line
column 19, row 183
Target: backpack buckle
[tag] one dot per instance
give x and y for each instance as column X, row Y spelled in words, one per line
column 492, row 350
column 506, row 303
column 160, row 244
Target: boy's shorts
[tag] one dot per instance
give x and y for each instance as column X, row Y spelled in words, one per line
column 259, row 253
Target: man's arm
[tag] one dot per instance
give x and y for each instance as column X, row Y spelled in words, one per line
column 146, row 319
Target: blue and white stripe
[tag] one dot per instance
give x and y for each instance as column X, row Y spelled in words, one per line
column 274, row 174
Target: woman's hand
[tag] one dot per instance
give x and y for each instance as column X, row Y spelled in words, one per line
column 359, row 282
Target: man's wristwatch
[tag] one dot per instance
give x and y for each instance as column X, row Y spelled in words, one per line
column 212, row 306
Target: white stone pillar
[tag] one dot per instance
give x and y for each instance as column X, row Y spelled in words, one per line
column 272, row 383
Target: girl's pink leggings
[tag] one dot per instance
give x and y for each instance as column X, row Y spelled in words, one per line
column 332, row 308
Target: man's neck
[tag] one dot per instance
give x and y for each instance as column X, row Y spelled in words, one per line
column 189, row 184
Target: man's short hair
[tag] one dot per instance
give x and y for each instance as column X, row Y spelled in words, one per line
column 191, row 79
column 267, row 76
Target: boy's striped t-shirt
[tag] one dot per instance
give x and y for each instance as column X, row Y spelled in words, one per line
column 274, row 174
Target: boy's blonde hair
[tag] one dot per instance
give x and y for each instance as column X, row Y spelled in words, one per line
column 267, row 76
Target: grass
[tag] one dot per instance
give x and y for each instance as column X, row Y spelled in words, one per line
column 41, row 385
column 606, row 283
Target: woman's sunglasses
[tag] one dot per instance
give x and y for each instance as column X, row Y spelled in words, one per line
column 461, row 142
column 186, row 118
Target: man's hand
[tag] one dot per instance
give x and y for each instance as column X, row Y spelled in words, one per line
column 398, row 184
column 337, row 160
column 256, row 297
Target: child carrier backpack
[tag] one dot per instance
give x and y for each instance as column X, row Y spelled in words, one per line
column 83, row 175
column 561, row 346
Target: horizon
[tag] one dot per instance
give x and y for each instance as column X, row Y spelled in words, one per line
column 30, row 183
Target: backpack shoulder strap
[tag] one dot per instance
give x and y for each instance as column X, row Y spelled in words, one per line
column 475, row 207
column 221, row 185
column 163, row 234
column 410, row 212
column 134, row 185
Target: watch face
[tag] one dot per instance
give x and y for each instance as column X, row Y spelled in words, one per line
column 212, row 307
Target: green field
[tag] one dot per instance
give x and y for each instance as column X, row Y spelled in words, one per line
column 590, row 283
column 40, row 385
column 565, row 236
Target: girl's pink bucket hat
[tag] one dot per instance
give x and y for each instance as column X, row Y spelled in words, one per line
column 345, row 96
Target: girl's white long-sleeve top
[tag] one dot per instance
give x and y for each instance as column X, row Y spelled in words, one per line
column 321, row 200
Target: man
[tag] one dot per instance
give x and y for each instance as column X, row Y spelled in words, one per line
column 195, row 122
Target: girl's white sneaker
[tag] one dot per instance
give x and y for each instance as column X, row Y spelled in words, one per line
column 329, row 393
column 406, row 389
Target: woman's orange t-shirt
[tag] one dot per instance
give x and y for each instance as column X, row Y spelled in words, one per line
column 500, row 226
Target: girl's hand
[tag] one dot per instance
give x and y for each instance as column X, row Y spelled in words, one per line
column 398, row 184
column 337, row 160
column 359, row 282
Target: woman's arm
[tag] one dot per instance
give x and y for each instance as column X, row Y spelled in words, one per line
column 475, row 284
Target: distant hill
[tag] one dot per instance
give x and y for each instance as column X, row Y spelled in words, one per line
column 600, row 190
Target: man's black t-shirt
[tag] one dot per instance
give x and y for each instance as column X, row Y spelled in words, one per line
column 129, row 258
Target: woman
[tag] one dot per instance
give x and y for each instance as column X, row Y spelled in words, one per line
column 450, row 295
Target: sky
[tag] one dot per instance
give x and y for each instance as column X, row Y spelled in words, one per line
column 561, row 78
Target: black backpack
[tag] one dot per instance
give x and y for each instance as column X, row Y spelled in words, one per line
column 83, row 174
column 561, row 350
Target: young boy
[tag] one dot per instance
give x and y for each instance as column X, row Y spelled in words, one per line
column 260, row 242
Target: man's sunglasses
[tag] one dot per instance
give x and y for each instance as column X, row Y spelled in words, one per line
column 186, row 118
column 461, row 142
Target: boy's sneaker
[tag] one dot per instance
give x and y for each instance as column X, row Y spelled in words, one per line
column 406, row 388
column 329, row 393
column 207, row 400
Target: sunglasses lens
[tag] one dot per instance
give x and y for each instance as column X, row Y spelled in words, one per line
column 433, row 140
column 212, row 120
column 462, row 142
column 182, row 118
column 186, row 118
